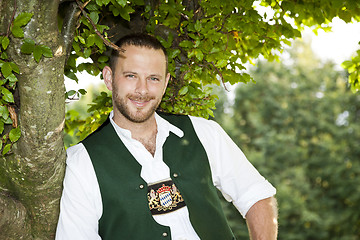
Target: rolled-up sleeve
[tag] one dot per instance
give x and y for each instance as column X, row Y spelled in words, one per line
column 232, row 173
column 80, row 205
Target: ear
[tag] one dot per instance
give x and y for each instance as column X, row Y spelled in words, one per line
column 167, row 78
column 166, row 81
column 108, row 77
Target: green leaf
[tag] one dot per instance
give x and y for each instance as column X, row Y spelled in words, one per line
column 186, row 44
column 15, row 134
column 4, row 112
column 82, row 91
column 17, row 32
column 103, row 59
column 5, row 42
column 14, row 67
column 114, row 10
column 87, row 52
column 28, row 46
column 6, row 149
column 71, row 93
column 7, row 95
column 37, row 53
column 4, row 55
column 94, row 17
column 90, row 40
column 121, row 2
column 184, row 90
column 99, row 42
column 347, row 64
column 199, row 55
column 6, row 69
column 46, row 51
column 22, row 19
column 12, row 78
column 124, row 14
column 174, row 53
column 1, row 130
column 221, row 63
column 81, row 39
column 72, row 76
column 8, row 121
column 197, row 26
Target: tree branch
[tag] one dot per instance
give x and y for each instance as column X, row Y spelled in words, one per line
column 106, row 42
column 220, row 75
column 12, row 19
column 72, row 13
column 13, row 221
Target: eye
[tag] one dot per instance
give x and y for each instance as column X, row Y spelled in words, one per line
column 154, row 79
column 130, row 76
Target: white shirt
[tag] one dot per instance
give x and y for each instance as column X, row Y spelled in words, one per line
column 232, row 174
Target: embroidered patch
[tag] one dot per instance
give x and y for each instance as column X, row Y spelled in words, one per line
column 164, row 197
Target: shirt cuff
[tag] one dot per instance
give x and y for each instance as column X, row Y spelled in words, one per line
column 256, row 193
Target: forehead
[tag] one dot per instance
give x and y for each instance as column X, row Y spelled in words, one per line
column 143, row 54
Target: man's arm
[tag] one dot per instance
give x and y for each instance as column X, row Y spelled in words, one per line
column 262, row 220
column 80, row 205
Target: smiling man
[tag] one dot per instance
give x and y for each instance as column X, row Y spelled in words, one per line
column 144, row 175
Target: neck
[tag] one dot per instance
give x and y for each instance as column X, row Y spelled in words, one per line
column 136, row 129
column 144, row 132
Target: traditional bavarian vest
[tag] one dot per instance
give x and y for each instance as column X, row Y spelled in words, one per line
column 126, row 213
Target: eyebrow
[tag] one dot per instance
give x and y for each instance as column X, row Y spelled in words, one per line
column 135, row 73
column 129, row 72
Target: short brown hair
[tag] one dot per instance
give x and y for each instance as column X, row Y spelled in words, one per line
column 139, row 40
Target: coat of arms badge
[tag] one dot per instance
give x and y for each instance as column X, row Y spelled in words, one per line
column 164, row 197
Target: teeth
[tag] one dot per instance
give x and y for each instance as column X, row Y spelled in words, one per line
column 139, row 103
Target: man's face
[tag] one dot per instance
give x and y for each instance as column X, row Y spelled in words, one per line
column 138, row 83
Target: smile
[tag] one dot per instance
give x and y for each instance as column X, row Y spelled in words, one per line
column 140, row 103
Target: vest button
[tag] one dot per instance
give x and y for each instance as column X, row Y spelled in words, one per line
column 165, row 234
column 175, row 175
column 141, row 186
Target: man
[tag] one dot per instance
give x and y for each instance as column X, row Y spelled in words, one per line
column 144, row 175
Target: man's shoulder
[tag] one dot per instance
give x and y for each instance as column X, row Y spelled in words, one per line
column 176, row 119
column 182, row 117
column 171, row 115
column 199, row 124
column 79, row 147
column 76, row 153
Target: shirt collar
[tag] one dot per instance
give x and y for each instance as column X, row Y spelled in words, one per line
column 167, row 126
column 163, row 125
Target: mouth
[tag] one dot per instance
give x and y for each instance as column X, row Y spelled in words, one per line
column 140, row 102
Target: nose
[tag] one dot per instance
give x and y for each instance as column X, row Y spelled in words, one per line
column 142, row 87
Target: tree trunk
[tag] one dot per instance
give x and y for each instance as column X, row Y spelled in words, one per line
column 31, row 175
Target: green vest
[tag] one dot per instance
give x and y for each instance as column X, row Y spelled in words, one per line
column 126, row 213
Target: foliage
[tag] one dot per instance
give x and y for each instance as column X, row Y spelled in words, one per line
column 319, row 14
column 95, row 106
column 208, row 42
column 299, row 125
column 353, row 68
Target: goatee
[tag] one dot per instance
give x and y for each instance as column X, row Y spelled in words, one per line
column 139, row 115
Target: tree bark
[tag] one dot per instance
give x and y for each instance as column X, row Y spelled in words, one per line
column 31, row 176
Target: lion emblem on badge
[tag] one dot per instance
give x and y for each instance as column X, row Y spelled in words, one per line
column 164, row 197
